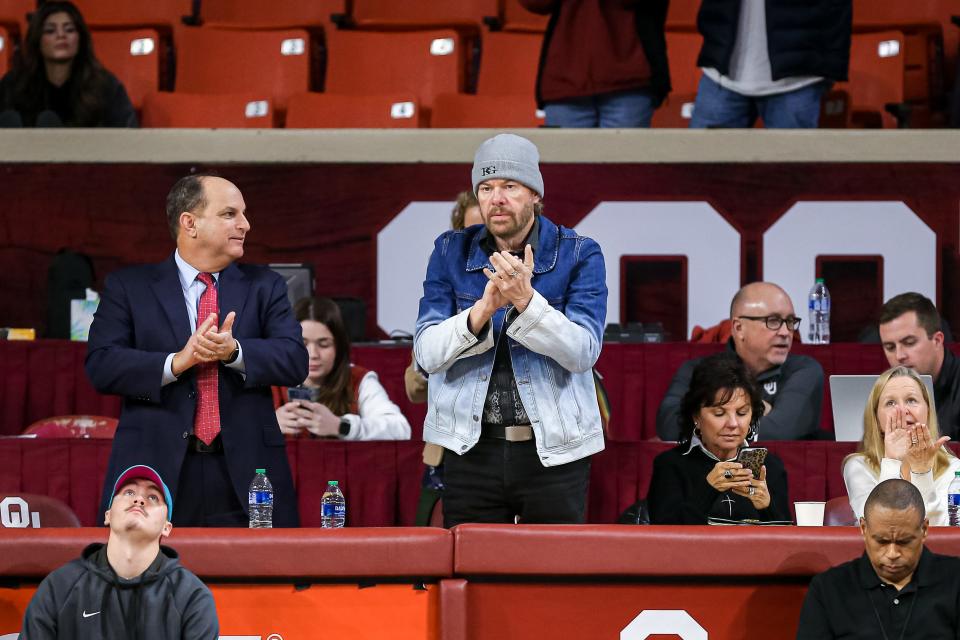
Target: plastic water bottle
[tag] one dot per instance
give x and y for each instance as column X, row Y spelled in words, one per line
column 819, row 318
column 261, row 501
column 953, row 500
column 333, row 507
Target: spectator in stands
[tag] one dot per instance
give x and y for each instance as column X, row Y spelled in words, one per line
column 701, row 478
column 897, row 589
column 604, row 62
column 56, row 79
column 131, row 587
column 762, row 328
column 193, row 345
column 900, row 440
column 910, row 331
column 510, row 324
column 774, row 60
column 347, row 401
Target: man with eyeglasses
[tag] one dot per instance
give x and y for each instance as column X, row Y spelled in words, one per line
column 762, row 328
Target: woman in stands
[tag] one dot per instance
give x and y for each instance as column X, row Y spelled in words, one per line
column 900, row 441
column 57, row 81
column 347, row 401
column 701, row 478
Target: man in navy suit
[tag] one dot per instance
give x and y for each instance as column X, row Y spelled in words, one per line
column 194, row 362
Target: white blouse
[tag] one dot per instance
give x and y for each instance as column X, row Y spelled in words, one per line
column 379, row 417
column 861, row 479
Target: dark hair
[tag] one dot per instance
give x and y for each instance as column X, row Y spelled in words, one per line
column 465, row 200
column 713, row 383
column 896, row 494
column 186, row 195
column 337, row 390
column 927, row 316
column 89, row 81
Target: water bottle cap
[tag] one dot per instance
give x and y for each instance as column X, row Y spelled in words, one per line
column 956, row 474
column 335, row 483
column 260, row 470
column 819, row 280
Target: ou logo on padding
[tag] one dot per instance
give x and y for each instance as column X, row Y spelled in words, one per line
column 655, row 622
column 15, row 514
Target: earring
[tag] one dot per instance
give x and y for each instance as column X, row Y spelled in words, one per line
column 696, row 429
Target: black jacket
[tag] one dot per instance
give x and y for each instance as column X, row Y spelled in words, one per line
column 804, row 37
column 86, row 599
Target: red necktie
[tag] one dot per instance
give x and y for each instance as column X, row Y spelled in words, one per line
column 206, row 422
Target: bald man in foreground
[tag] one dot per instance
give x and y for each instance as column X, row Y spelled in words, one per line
column 762, row 326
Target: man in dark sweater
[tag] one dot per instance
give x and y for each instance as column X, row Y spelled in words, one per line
column 772, row 60
column 131, row 587
column 762, row 326
column 897, row 588
column 912, row 336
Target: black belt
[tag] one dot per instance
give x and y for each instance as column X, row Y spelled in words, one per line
column 511, row 433
column 197, row 445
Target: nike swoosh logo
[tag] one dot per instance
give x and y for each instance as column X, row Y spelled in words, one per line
column 89, row 615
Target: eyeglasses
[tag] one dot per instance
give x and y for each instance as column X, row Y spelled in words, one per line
column 775, row 322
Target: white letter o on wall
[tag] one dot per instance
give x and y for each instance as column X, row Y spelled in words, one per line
column 692, row 229
column 663, row 622
column 891, row 229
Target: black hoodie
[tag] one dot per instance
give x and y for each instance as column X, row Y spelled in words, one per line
column 87, row 599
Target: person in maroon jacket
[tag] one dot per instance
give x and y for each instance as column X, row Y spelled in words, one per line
column 603, row 63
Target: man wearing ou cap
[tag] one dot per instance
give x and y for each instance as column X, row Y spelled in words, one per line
column 510, row 325
column 130, row 587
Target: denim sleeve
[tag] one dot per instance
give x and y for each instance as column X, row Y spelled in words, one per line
column 571, row 338
column 442, row 334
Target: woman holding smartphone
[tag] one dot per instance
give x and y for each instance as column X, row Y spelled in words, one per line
column 345, row 401
column 702, row 478
column 900, row 440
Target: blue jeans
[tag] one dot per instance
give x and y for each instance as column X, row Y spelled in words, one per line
column 621, row 110
column 717, row 107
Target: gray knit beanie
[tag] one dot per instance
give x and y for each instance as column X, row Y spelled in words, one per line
column 508, row 157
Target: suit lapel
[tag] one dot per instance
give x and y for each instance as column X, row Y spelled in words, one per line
column 232, row 294
column 170, row 294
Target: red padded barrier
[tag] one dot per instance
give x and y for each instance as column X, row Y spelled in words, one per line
column 288, row 553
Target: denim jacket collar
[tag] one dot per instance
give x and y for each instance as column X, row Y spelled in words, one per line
column 544, row 258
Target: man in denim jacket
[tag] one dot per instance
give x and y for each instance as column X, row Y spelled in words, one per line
column 510, row 326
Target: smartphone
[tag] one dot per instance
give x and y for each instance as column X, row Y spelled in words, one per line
column 752, row 458
column 302, row 393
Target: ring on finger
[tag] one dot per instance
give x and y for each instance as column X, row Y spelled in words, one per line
column 514, row 274
column 728, row 474
column 752, row 491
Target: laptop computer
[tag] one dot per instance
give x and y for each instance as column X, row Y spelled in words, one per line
column 848, row 395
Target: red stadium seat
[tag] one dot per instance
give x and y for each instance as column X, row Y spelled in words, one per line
column 203, row 111
column 421, row 14
column 422, row 63
column 508, row 64
column 682, row 15
column 227, row 61
column 879, row 75
column 516, row 18
column 31, row 510
column 837, row 513
column 682, row 51
column 327, row 111
column 125, row 14
column 451, row 110
column 132, row 56
column 13, row 16
column 276, row 14
column 6, row 50
column 73, row 427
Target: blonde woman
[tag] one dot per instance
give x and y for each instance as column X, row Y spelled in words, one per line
column 900, row 440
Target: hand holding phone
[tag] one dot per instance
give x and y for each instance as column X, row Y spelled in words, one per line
column 752, row 458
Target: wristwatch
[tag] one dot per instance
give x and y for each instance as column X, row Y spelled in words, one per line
column 233, row 356
column 344, row 427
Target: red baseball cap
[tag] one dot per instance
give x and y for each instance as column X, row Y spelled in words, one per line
column 142, row 471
